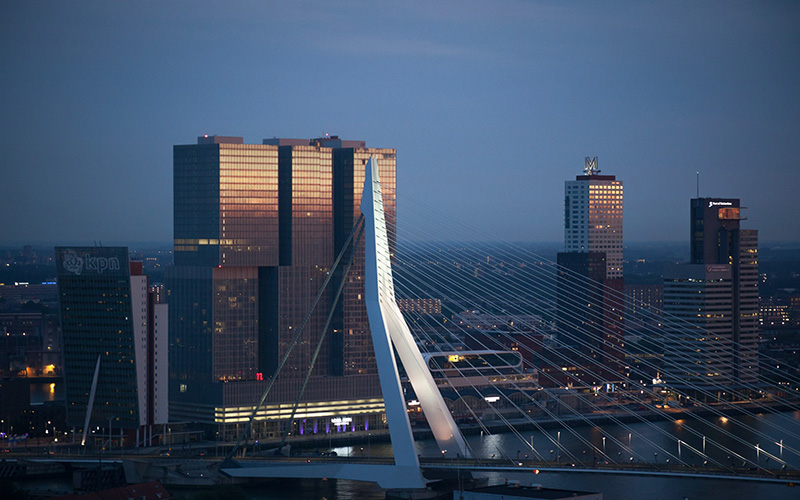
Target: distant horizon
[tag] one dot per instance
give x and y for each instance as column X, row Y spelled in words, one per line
column 130, row 243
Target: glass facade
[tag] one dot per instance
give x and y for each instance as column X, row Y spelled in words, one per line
column 96, row 311
column 257, row 228
column 189, row 294
column 226, row 205
column 593, row 218
column 352, row 352
column 593, row 250
column 717, row 241
column 235, row 326
column 700, row 296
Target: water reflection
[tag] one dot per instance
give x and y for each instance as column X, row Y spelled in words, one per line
column 721, row 440
column 641, row 441
column 47, row 391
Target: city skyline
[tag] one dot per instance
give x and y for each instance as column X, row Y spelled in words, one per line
column 482, row 102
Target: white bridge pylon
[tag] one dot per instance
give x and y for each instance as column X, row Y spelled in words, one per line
column 389, row 329
column 389, row 333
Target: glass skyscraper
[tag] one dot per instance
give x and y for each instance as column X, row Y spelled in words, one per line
column 257, row 229
column 108, row 312
column 593, row 216
column 714, row 340
column 94, row 289
column 589, row 281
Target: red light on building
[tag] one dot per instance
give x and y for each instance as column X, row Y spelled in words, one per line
column 259, row 376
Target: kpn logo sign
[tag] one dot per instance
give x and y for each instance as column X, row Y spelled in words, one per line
column 91, row 260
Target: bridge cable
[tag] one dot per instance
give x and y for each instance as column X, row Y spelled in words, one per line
column 554, row 418
column 322, row 336
column 606, row 289
column 590, row 423
column 295, row 339
column 758, row 403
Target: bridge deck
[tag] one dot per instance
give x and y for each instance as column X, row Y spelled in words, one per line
column 499, row 465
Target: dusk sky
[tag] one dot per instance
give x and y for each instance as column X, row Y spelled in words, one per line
column 491, row 106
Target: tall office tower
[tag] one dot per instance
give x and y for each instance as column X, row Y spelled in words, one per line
column 108, row 313
column 698, row 349
column 593, row 216
column 717, row 297
column 590, row 273
column 257, row 229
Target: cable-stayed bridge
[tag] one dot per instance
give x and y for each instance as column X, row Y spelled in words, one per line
column 494, row 340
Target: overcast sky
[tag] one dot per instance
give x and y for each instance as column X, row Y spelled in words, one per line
column 491, row 105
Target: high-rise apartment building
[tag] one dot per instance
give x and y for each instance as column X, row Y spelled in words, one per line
column 108, row 312
column 716, row 300
column 257, row 229
column 589, row 282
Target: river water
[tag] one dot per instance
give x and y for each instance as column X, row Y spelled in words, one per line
column 639, row 441
column 612, row 487
column 645, row 439
column 46, row 392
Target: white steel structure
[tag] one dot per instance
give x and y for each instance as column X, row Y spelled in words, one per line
column 389, row 333
column 389, row 328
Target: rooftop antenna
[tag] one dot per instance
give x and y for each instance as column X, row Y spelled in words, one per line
column 698, row 184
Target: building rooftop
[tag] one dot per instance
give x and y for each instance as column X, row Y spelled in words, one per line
column 219, row 139
column 595, row 177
